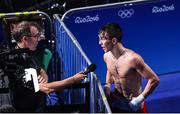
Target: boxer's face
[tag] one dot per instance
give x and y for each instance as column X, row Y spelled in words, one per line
column 105, row 42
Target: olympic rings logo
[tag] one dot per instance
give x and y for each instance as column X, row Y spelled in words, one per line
column 127, row 13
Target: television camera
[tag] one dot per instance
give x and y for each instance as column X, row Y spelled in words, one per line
column 20, row 67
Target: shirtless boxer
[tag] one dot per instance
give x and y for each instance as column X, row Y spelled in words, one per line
column 125, row 68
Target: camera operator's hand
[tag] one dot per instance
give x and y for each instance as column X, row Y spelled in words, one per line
column 42, row 80
column 43, row 77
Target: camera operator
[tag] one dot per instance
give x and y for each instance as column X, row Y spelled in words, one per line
column 24, row 98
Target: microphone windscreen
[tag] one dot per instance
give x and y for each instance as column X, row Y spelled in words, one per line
column 90, row 68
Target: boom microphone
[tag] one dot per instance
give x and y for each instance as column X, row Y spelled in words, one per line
column 90, row 68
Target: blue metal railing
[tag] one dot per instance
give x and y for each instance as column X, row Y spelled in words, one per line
column 73, row 59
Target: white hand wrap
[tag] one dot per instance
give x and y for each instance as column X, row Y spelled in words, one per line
column 136, row 102
column 107, row 89
column 107, row 85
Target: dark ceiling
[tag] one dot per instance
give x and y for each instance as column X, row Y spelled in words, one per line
column 48, row 6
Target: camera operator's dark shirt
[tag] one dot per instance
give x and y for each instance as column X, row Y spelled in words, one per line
column 24, row 98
